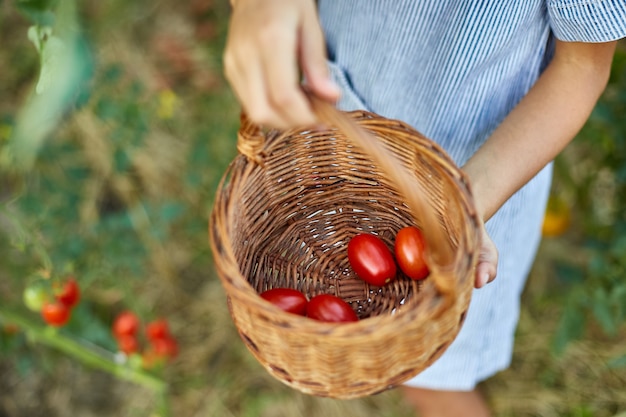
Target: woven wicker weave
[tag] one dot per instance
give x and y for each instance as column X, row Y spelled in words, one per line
column 283, row 216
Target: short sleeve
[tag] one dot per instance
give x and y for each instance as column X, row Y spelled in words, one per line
column 588, row 20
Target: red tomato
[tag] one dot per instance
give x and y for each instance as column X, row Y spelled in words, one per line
column 371, row 260
column 326, row 307
column 128, row 344
column 157, row 329
column 125, row 324
column 55, row 314
column 287, row 299
column 165, row 347
column 69, row 293
column 410, row 248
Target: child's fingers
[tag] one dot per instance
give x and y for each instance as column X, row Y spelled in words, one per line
column 287, row 103
column 487, row 266
column 485, row 273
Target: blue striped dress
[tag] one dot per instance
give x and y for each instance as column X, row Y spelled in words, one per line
column 454, row 69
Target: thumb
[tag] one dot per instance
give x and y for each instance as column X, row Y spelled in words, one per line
column 487, row 266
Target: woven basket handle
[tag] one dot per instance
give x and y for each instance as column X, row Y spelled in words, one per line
column 440, row 257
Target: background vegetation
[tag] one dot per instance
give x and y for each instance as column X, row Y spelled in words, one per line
column 109, row 174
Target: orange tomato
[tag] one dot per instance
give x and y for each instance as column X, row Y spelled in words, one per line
column 557, row 218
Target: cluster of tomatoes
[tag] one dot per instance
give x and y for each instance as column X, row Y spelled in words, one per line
column 373, row 262
column 54, row 303
column 161, row 345
column 322, row 307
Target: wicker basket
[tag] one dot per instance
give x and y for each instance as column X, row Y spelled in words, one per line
column 283, row 215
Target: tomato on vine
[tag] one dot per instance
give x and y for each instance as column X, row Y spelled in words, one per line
column 69, row 293
column 128, row 344
column 165, row 347
column 34, row 296
column 55, row 313
column 125, row 324
column 162, row 345
column 157, row 329
column 162, row 342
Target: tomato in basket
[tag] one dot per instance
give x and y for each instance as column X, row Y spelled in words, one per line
column 329, row 308
column 287, row 299
column 410, row 248
column 371, row 259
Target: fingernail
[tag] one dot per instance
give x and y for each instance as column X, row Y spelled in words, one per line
column 484, row 279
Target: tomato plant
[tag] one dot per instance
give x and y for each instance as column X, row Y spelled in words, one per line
column 157, row 329
column 128, row 344
column 410, row 249
column 329, row 308
column 69, row 293
column 151, row 360
column 125, row 324
column 165, row 347
column 34, row 296
column 287, row 299
column 162, row 348
column 371, row 259
column 55, row 313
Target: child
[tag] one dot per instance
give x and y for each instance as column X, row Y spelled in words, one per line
column 502, row 86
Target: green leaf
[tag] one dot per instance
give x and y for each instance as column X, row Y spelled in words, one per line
column 93, row 330
column 24, row 364
column 171, row 211
column 618, row 299
column 39, row 12
column 568, row 273
column 598, row 265
column 64, row 71
column 38, row 35
column 571, row 325
column 618, row 248
column 121, row 159
column 620, row 174
column 107, row 109
column 601, row 307
column 38, row 5
column 112, row 74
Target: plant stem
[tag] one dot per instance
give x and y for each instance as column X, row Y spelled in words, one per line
column 80, row 351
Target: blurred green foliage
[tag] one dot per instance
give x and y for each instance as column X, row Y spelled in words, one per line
column 593, row 174
column 91, row 197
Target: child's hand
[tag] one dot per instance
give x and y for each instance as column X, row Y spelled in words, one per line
column 270, row 42
column 487, row 266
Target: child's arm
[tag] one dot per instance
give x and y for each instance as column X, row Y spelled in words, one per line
column 542, row 124
column 534, row 133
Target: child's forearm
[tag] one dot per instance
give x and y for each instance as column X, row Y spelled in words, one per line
column 541, row 125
